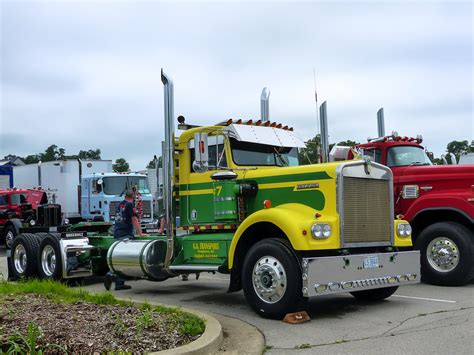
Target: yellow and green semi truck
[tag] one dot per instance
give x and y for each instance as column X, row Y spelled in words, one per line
column 237, row 202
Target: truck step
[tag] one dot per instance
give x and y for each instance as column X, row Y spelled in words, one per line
column 194, row 268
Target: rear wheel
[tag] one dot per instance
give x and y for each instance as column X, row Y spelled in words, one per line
column 271, row 279
column 377, row 294
column 24, row 256
column 49, row 261
column 447, row 255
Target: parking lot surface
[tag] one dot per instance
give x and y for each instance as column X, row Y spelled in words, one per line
column 418, row 319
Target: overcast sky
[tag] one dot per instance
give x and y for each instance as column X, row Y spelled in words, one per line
column 86, row 75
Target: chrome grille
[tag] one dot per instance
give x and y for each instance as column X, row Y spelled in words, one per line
column 113, row 205
column 366, row 211
column 146, row 207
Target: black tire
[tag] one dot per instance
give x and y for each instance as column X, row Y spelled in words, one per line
column 24, row 255
column 274, row 255
column 9, row 234
column 377, row 294
column 447, row 254
column 50, row 265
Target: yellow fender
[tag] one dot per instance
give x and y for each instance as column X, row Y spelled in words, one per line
column 295, row 220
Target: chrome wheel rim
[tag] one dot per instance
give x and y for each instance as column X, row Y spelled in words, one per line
column 19, row 259
column 48, row 260
column 9, row 239
column 442, row 254
column 269, row 279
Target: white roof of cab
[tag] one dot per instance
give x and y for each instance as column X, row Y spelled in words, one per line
column 265, row 135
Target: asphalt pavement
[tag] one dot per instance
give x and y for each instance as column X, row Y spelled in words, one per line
column 418, row 319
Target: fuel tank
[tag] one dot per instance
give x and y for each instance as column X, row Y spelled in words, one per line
column 138, row 259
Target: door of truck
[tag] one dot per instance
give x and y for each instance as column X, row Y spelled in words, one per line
column 85, row 198
column 196, row 189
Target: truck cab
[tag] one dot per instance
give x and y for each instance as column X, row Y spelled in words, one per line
column 437, row 200
column 17, row 206
column 101, row 194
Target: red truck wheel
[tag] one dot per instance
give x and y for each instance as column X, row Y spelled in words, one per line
column 447, row 254
column 8, row 236
column 271, row 279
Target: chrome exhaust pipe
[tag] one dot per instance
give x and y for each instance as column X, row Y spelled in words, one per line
column 265, row 105
column 380, row 123
column 168, row 165
column 324, row 132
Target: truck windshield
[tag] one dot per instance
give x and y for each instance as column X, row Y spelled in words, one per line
column 253, row 154
column 118, row 185
column 407, row 155
column 16, row 199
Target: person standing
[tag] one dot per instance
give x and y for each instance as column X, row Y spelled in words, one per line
column 126, row 222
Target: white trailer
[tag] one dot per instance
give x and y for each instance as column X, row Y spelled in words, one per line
column 60, row 179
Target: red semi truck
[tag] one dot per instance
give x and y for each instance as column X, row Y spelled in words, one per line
column 17, row 206
column 437, row 200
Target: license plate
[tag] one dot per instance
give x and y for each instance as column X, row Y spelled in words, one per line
column 371, row 262
column 152, row 230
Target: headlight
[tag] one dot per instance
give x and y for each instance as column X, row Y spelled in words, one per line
column 66, row 221
column 321, row 230
column 32, row 222
column 404, row 230
column 408, row 230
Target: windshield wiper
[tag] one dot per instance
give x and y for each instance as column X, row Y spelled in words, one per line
column 281, row 158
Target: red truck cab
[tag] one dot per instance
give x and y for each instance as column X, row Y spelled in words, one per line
column 17, row 206
column 437, row 200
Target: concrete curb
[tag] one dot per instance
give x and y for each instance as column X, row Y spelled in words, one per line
column 209, row 342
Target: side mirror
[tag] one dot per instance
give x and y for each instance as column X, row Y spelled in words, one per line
column 201, row 152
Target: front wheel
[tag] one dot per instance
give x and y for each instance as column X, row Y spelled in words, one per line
column 271, row 279
column 447, row 254
column 8, row 236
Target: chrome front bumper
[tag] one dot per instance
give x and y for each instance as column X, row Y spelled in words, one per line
column 338, row 274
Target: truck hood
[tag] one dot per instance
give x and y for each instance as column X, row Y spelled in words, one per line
column 449, row 177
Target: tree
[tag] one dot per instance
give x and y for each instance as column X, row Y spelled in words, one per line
column 53, row 152
column 120, row 166
column 89, row 154
column 459, row 148
column 151, row 164
column 310, row 154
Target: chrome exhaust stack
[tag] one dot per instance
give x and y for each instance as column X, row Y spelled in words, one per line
column 324, row 132
column 380, row 123
column 265, row 105
column 168, row 165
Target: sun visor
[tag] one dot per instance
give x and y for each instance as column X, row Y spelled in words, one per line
column 265, row 135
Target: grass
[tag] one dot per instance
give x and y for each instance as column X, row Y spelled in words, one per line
column 185, row 323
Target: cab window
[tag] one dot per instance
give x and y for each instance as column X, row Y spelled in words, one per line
column 96, row 188
column 3, row 200
column 373, row 154
column 217, row 156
